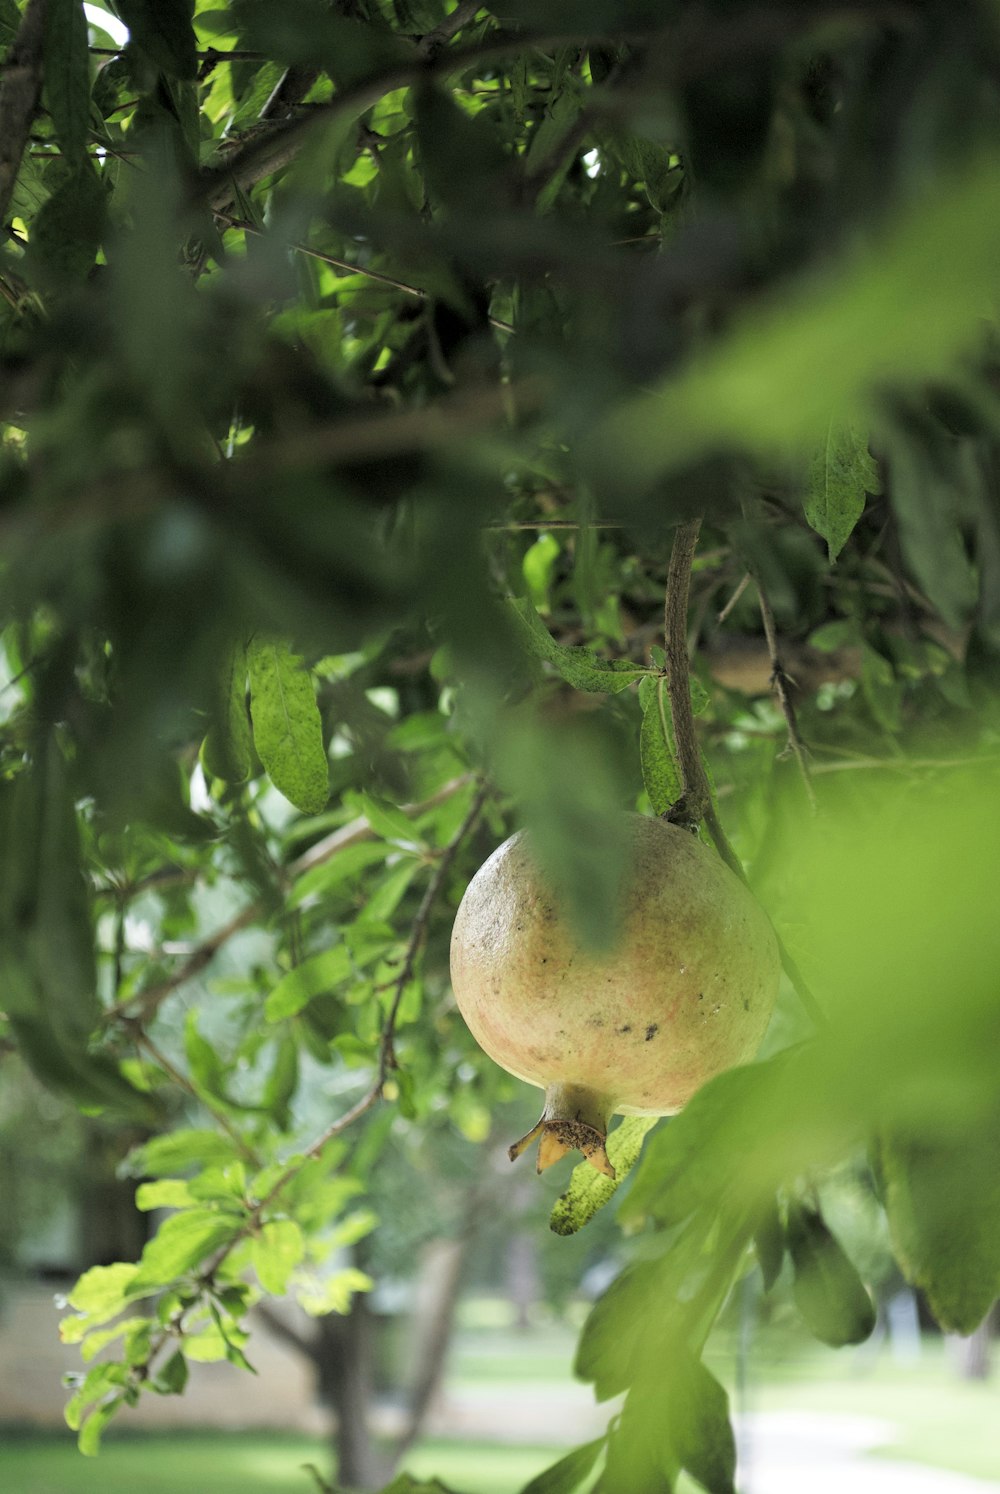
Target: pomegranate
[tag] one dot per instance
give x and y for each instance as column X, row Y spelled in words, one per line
column 687, row 990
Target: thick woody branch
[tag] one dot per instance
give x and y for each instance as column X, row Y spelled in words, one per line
column 19, row 95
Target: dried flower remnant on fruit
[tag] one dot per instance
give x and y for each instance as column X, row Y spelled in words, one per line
column 627, row 1031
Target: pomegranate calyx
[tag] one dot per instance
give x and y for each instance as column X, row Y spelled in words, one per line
column 574, row 1119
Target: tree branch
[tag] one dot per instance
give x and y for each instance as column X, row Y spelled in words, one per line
column 779, row 682
column 695, row 803
column 418, row 930
column 689, row 809
column 142, row 1006
column 387, row 1057
column 19, row 95
column 269, row 151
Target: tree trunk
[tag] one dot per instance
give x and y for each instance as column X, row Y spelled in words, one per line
column 971, row 1353
column 524, row 1285
column 344, row 1363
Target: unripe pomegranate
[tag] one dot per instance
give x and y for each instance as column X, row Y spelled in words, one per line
column 687, row 990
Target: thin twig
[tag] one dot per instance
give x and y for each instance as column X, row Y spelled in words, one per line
column 695, row 803
column 690, row 807
column 346, row 266
column 741, row 588
column 418, row 930
column 779, row 683
column 387, row 1057
column 174, row 1074
column 143, row 1005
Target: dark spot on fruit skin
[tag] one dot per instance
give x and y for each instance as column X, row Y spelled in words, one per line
column 746, row 1004
column 626, row 1028
column 595, row 1021
column 651, row 1031
column 701, row 995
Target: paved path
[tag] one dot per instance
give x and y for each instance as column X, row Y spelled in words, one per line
column 789, row 1452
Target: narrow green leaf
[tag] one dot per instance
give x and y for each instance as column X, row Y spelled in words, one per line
column 387, row 820
column 67, row 74
column 608, row 1351
column 882, row 691
column 207, row 1070
column 579, row 667
column 769, row 1243
column 287, row 730
column 569, row 1473
column 226, row 749
column 89, row 1440
column 163, row 30
column 314, row 977
column 842, row 472
column 275, row 1252
column 67, row 232
column 660, row 773
column 166, row 1156
column 942, row 1200
column 589, row 1190
column 828, row 1291
column 180, row 1244
column 701, row 1432
column 925, row 502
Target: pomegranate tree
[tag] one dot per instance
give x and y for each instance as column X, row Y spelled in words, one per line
column 686, row 991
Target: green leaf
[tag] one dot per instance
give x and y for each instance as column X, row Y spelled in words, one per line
column 172, row 1378
column 701, row 1431
column 314, row 977
column 180, row 1244
column 163, row 30
column 579, row 667
column 275, row 1252
column 333, row 1294
column 942, row 1199
column 708, row 1155
column 104, row 1291
column 829, row 342
column 67, row 232
column 89, row 1440
column 287, row 730
column 842, row 472
column 609, row 1350
column 925, row 500
column 181, row 1151
column 769, row 1243
column 165, row 1193
column 226, row 749
column 828, row 1291
column 589, row 1190
column 67, row 74
column 387, row 820
column 660, row 774
column 207, row 1070
column 569, row 1473
column 882, row 691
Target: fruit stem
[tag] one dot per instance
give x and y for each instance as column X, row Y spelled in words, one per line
column 574, row 1118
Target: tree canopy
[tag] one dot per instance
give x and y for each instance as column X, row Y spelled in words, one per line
column 371, row 370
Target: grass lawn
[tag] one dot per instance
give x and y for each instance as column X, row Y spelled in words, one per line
column 939, row 1420
column 189, row 1463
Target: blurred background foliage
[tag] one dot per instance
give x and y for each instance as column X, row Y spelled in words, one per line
column 328, row 332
